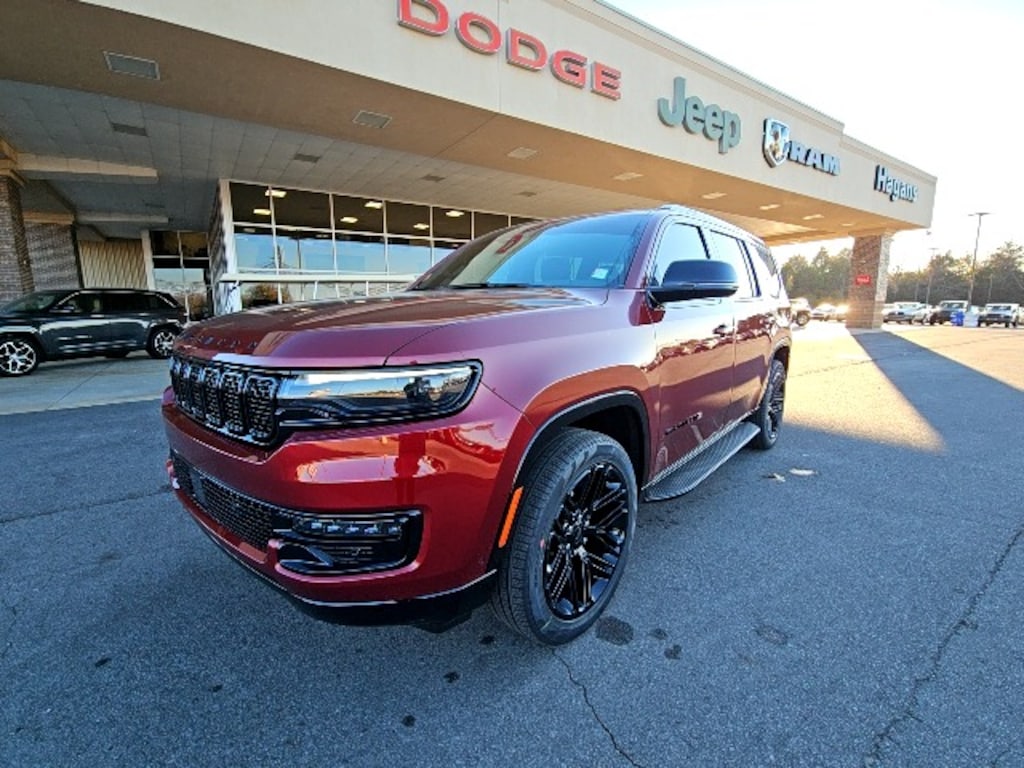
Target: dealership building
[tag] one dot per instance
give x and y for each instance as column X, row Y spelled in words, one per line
column 239, row 153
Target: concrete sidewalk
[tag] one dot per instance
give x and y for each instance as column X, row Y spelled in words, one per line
column 81, row 383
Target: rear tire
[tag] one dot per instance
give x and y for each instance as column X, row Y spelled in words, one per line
column 572, row 537
column 768, row 416
column 18, row 357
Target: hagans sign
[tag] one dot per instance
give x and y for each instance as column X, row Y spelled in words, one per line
column 480, row 34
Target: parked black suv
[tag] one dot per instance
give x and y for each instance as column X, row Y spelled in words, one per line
column 51, row 325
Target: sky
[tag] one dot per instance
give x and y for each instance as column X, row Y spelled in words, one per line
column 934, row 83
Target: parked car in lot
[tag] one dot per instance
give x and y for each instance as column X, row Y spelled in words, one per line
column 1001, row 314
column 53, row 325
column 900, row 311
column 829, row 312
column 800, row 311
column 922, row 314
column 945, row 310
column 488, row 432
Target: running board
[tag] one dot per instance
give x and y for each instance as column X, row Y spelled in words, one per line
column 694, row 470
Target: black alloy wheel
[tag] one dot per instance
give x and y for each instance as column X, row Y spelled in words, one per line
column 768, row 416
column 572, row 537
column 586, row 541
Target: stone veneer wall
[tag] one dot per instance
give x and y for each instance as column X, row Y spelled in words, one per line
column 54, row 256
column 15, row 268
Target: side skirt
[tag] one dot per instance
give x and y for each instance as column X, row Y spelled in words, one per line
column 690, row 471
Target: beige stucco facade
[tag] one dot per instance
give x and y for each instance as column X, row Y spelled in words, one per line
column 535, row 108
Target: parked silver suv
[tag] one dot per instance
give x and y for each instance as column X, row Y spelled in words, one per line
column 1005, row 314
column 52, row 325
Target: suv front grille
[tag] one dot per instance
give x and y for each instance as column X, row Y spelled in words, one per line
column 315, row 544
column 233, row 401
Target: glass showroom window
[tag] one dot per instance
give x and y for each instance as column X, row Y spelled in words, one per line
column 360, row 253
column 254, row 248
column 408, row 255
column 304, row 250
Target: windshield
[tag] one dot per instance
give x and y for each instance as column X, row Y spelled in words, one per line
column 952, row 304
column 592, row 252
column 999, row 307
column 34, row 302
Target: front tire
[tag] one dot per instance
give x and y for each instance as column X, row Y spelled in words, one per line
column 768, row 416
column 18, row 357
column 160, row 343
column 572, row 538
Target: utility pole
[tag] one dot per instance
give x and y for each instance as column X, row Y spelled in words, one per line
column 931, row 277
column 974, row 260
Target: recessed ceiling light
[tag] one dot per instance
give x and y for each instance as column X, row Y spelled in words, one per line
column 348, row 219
column 848, row 224
column 522, row 153
column 814, row 216
column 421, row 225
column 526, row 193
column 432, row 177
column 132, row 65
column 770, row 206
column 627, row 176
column 454, row 214
column 373, row 204
column 369, row 119
column 275, row 193
column 261, row 211
column 713, row 195
column 304, row 158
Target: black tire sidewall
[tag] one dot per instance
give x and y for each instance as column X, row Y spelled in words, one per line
column 766, row 438
column 547, row 480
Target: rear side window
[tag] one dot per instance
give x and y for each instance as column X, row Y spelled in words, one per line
column 734, row 251
column 125, row 302
column 766, row 270
column 680, row 242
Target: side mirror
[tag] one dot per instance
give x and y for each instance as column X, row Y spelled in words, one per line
column 696, row 279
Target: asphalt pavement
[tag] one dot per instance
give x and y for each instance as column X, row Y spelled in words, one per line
column 849, row 598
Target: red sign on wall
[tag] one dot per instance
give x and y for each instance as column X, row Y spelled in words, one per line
column 862, row 280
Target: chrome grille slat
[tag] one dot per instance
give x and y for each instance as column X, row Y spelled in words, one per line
column 231, row 400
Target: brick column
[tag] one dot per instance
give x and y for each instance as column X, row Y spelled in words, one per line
column 15, row 269
column 869, row 278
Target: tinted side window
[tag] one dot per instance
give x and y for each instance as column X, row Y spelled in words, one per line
column 680, row 242
column 766, row 271
column 86, row 303
column 157, row 302
column 124, row 302
column 730, row 249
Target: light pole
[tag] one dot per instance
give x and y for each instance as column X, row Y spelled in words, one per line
column 974, row 260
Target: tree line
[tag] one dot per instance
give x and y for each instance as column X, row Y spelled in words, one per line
column 998, row 277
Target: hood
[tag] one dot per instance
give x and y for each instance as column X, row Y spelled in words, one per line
column 359, row 332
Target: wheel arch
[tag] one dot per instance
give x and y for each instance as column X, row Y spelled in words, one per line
column 619, row 415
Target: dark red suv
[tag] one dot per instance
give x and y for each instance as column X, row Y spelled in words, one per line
column 489, row 431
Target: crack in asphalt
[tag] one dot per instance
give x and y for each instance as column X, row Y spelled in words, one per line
column 165, row 488
column 885, row 736
column 593, row 711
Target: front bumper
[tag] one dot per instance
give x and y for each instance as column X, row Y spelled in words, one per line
column 423, row 503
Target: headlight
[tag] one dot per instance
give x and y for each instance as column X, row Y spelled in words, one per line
column 376, row 395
